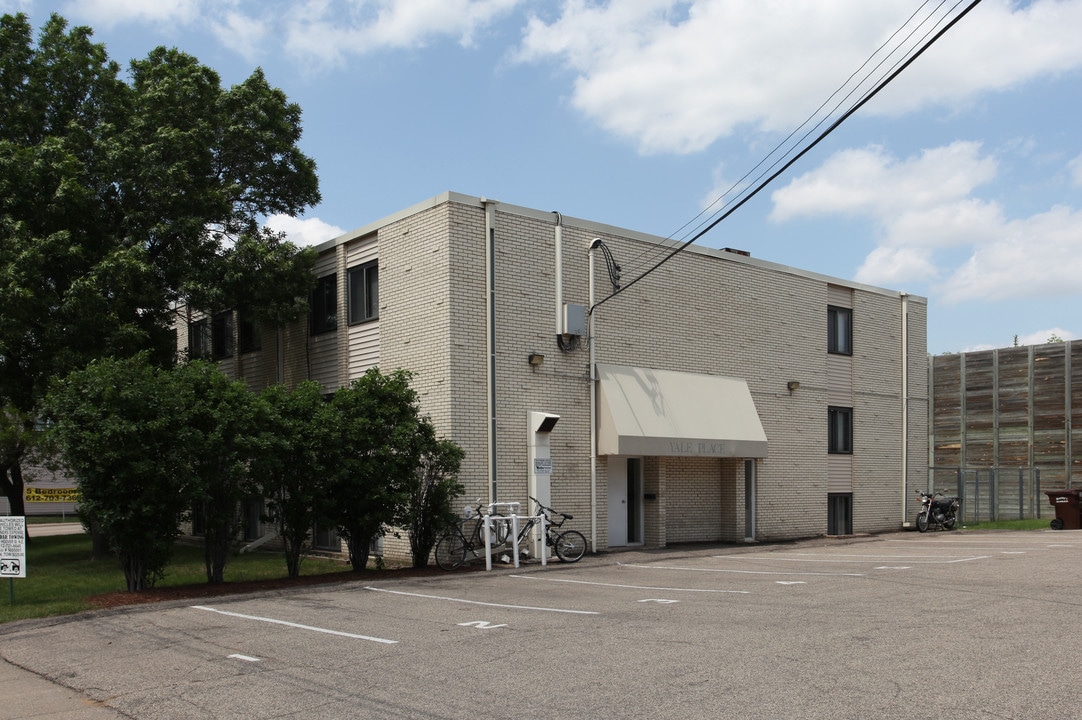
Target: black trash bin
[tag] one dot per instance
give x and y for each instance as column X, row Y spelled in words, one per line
column 1068, row 509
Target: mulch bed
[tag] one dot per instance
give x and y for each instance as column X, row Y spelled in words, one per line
column 189, row 592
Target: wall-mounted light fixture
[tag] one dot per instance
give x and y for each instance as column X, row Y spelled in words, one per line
column 792, row 385
column 536, row 359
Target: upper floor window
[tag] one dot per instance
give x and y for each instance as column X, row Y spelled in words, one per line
column 248, row 335
column 324, row 304
column 221, row 335
column 364, row 293
column 199, row 339
column 840, row 430
column 839, row 330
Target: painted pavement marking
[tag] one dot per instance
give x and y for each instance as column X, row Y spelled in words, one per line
column 630, row 587
column 486, row 604
column 298, row 626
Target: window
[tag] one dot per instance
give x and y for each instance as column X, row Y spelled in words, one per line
column 248, row 334
column 326, row 538
column 839, row 330
column 364, row 293
column 221, row 335
column 839, row 513
column 324, row 302
column 840, row 431
column 199, row 339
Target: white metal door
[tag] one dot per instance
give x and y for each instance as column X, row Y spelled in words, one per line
column 625, row 501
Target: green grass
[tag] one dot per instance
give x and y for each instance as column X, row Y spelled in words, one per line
column 43, row 519
column 1033, row 524
column 60, row 575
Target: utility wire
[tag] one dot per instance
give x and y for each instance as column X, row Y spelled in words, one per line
column 777, row 149
column 845, row 116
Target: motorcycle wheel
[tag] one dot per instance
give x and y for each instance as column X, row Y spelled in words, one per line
column 949, row 523
column 922, row 522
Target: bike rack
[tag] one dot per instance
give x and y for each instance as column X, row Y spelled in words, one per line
column 514, row 518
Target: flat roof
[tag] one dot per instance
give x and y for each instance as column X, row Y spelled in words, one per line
column 602, row 228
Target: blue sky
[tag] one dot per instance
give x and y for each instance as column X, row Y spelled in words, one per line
column 961, row 182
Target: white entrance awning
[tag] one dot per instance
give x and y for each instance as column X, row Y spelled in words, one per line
column 667, row 413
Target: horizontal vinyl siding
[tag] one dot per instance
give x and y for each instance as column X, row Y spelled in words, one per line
column 364, row 338
column 840, row 380
column 324, row 360
column 840, row 474
column 363, row 348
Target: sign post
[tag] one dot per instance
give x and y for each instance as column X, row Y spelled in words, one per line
column 12, row 551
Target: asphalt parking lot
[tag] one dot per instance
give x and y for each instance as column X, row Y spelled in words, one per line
column 960, row 625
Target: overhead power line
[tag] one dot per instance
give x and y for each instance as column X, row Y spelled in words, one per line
column 898, row 67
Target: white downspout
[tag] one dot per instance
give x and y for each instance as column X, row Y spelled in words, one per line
column 905, row 404
column 559, row 243
column 592, row 337
column 490, row 341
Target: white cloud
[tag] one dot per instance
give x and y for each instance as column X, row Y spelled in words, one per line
column 329, row 30
column 674, row 76
column 108, row 13
column 1033, row 257
column 243, row 34
column 303, row 231
column 871, row 181
column 923, row 206
column 1075, row 169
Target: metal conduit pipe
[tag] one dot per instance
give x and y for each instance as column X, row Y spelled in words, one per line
column 905, row 404
column 592, row 341
column 490, row 340
column 559, row 271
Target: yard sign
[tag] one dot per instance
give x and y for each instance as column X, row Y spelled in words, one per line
column 13, row 546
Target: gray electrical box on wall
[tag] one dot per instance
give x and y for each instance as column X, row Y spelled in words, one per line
column 574, row 319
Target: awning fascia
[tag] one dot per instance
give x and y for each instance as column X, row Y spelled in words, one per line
column 646, row 412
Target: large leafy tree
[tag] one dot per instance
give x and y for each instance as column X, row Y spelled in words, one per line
column 295, row 453
column 376, row 430
column 121, row 197
column 122, row 431
column 219, row 429
column 431, row 492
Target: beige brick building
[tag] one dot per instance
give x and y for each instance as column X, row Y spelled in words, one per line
column 746, row 399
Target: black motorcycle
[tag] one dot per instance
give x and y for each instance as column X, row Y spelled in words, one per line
column 937, row 511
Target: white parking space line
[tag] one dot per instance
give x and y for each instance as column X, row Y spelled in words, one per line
column 738, row 572
column 486, row 604
column 859, row 559
column 298, row 626
column 245, row 658
column 629, row 587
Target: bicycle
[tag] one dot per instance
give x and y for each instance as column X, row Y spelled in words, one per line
column 453, row 547
column 569, row 545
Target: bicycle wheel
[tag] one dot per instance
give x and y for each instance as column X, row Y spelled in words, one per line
column 500, row 531
column 570, row 545
column 451, row 551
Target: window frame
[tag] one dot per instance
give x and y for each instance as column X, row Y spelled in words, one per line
column 839, row 439
column 199, row 339
column 834, row 343
column 249, row 337
column 221, row 335
column 362, row 307
column 323, row 305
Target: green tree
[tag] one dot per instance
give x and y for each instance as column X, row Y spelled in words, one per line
column 431, row 491
column 376, row 424
column 294, row 455
column 121, row 429
column 121, row 198
column 219, row 429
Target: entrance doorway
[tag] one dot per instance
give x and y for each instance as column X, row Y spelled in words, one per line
column 625, row 501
